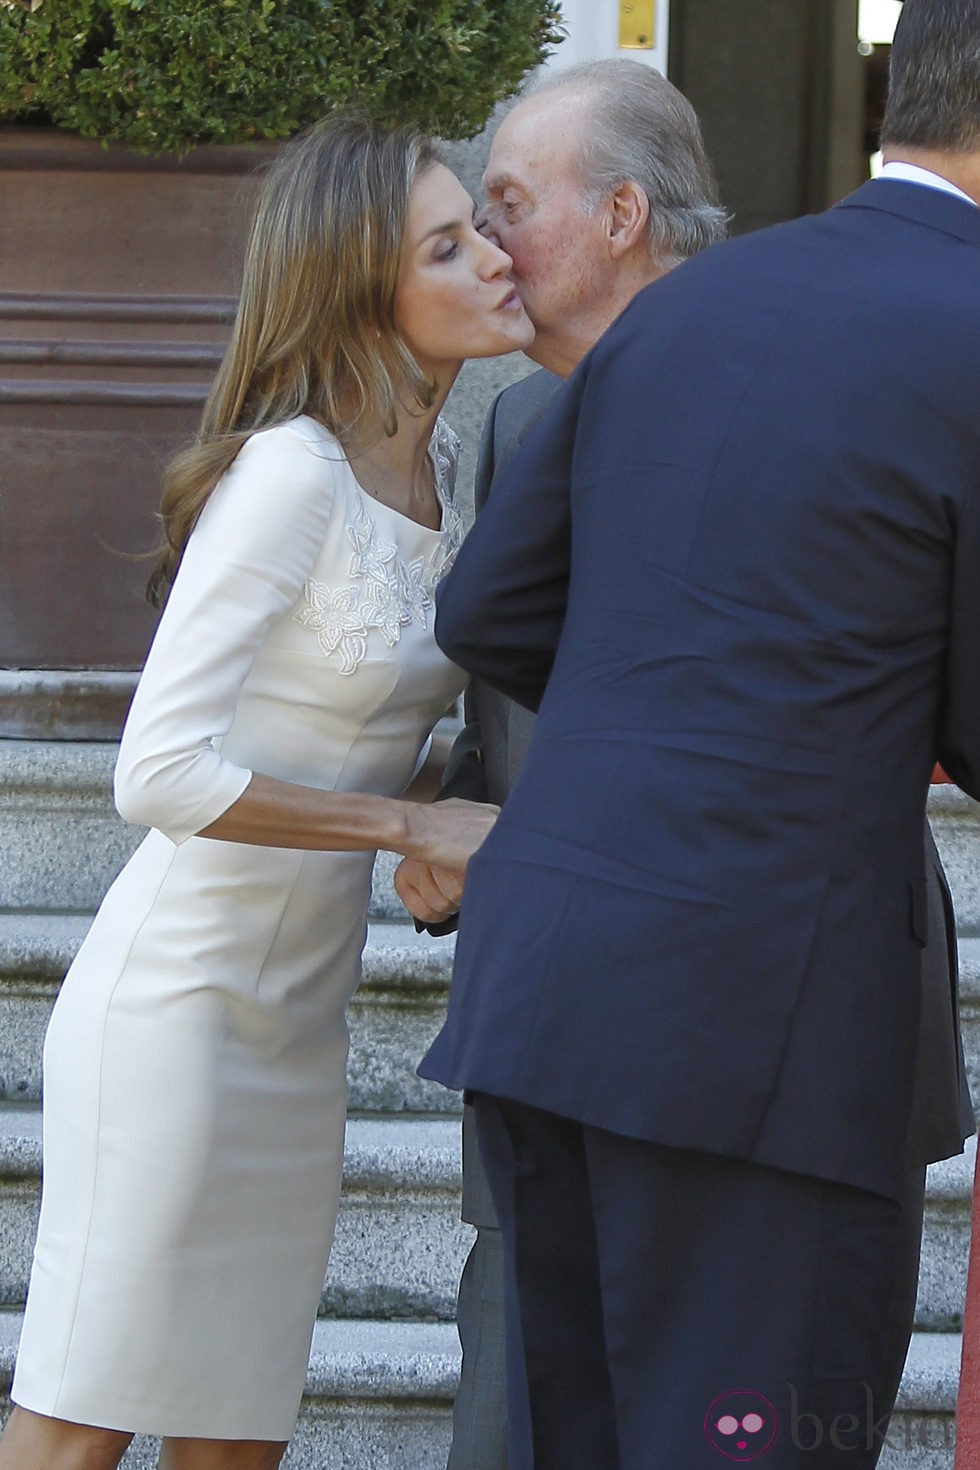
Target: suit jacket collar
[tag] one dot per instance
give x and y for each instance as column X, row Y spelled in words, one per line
column 932, row 207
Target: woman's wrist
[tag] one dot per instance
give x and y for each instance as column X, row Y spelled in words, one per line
column 396, row 829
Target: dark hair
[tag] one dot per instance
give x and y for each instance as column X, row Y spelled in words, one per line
column 643, row 129
column 934, row 83
column 315, row 328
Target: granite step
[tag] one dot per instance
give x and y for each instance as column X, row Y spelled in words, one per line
column 946, row 1242
column 393, row 1017
column 955, row 821
column 378, row 1397
column 922, row 1432
column 969, row 958
column 63, row 841
column 400, row 1244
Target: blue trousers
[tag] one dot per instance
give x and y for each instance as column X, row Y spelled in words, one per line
column 667, row 1308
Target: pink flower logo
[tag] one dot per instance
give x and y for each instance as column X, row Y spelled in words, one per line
column 741, row 1425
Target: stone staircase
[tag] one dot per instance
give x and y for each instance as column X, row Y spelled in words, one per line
column 385, row 1355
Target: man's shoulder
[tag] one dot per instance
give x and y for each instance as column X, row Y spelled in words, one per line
column 514, row 411
column 517, row 406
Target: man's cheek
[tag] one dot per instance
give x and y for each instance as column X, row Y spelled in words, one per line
column 523, row 258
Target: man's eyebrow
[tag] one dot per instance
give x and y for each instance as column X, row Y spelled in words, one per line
column 495, row 183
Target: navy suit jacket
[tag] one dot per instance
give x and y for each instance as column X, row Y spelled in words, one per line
column 737, row 564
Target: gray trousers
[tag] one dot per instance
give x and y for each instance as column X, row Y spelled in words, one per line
column 480, row 1410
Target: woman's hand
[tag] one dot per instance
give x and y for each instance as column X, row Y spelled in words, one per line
column 446, row 834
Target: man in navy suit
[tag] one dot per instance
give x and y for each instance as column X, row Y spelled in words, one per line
column 737, row 565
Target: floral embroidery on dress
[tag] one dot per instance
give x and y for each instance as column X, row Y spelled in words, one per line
column 386, row 592
column 336, row 620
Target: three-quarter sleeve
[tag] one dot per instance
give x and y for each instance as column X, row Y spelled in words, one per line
column 243, row 568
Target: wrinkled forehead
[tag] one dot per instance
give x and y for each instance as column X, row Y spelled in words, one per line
column 539, row 144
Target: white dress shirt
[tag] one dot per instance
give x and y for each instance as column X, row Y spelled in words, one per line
column 911, row 173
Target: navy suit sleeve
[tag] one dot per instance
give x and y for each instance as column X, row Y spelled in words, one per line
column 959, row 736
column 501, row 610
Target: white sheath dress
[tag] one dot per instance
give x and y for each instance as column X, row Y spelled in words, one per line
column 194, row 1068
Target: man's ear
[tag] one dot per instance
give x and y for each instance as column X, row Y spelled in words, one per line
column 628, row 213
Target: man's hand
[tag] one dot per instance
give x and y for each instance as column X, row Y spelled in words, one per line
column 430, row 894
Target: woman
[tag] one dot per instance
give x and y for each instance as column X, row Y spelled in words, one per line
column 194, row 1066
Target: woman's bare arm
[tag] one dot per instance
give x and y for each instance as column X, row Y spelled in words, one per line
column 272, row 813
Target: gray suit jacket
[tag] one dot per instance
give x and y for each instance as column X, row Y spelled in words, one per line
column 485, row 763
column 491, row 747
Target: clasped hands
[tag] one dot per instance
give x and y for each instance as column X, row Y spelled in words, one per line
column 430, row 894
column 431, row 884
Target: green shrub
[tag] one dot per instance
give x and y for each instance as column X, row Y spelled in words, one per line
column 165, row 74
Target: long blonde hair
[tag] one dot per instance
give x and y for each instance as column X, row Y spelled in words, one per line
column 314, row 332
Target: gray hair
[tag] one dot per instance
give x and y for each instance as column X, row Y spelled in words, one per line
column 641, row 128
column 934, row 83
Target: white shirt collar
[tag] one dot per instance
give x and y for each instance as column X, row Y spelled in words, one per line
column 911, row 173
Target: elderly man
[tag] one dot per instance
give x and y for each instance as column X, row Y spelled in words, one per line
column 736, row 567
column 597, row 184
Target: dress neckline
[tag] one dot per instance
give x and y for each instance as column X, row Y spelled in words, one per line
column 436, row 452
column 375, row 503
